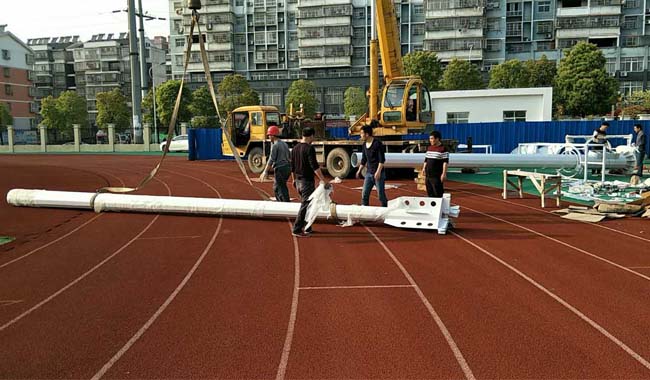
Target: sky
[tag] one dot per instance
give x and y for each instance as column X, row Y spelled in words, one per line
column 55, row 18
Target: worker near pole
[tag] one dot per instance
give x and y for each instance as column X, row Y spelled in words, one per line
column 640, row 149
column 436, row 161
column 372, row 155
column 280, row 161
column 304, row 169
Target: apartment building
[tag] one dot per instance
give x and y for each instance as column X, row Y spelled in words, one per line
column 53, row 66
column 273, row 42
column 16, row 76
column 102, row 64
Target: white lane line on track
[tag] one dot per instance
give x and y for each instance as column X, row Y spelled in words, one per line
column 170, row 237
column 169, row 299
column 288, row 340
column 52, row 242
column 286, row 350
column 557, row 241
column 354, row 287
column 66, row 235
column 441, row 325
column 562, row 243
column 550, row 213
column 9, row 302
column 639, row 267
column 51, row 297
column 87, row 273
column 577, row 312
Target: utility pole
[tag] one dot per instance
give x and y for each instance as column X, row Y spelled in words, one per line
column 143, row 53
column 136, row 95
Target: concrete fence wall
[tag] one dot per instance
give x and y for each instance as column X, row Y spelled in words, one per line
column 109, row 147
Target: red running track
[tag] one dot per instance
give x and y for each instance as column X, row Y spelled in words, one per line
column 512, row 292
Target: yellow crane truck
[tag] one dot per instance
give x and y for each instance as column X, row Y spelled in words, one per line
column 405, row 107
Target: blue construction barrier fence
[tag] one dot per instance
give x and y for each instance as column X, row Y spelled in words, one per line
column 205, row 144
column 506, row 136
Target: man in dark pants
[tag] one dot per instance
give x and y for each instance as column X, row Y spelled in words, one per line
column 279, row 160
column 640, row 146
column 372, row 155
column 436, row 161
column 599, row 137
column 303, row 169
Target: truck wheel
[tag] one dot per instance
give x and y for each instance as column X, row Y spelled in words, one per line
column 338, row 163
column 256, row 160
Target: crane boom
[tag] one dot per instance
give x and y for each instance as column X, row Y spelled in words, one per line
column 388, row 36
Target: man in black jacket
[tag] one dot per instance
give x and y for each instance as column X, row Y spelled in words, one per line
column 304, row 168
column 372, row 155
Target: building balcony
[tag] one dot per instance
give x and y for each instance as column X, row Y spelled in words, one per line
column 316, row 3
column 589, row 11
column 586, row 33
column 212, row 46
column 309, row 62
column 466, row 55
column 456, row 33
column 208, row 8
column 214, row 66
column 324, row 21
column 310, row 42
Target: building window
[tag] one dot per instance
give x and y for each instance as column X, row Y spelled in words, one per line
column 418, row 9
column 629, row 4
column 545, row 27
column 513, row 9
column 632, row 64
column 493, row 24
column 631, row 41
column 610, row 66
column 628, row 88
column 629, row 22
column 180, row 42
column 457, row 117
column 6, row 55
column 272, row 98
column 493, row 45
column 8, row 89
column 544, row 6
column 7, row 72
column 418, row 29
column 513, row 29
column 514, row 115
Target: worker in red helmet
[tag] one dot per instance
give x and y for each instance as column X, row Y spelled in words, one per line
column 280, row 161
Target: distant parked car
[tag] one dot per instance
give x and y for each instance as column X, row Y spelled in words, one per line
column 179, row 143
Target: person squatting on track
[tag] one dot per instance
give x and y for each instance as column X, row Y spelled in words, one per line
column 436, row 161
column 640, row 146
column 372, row 154
column 303, row 168
column 280, row 161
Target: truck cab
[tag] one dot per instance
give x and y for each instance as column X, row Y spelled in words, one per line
column 247, row 128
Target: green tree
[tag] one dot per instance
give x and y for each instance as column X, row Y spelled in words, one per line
column 234, row 91
column 355, row 102
column 5, row 116
column 112, row 109
column 147, row 108
column 202, row 109
column 166, row 95
column 542, row 72
column 60, row 113
column 510, row 74
column 201, row 104
column 302, row 92
column 582, row 85
column 426, row 65
column 461, row 75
